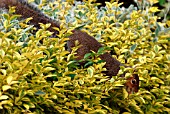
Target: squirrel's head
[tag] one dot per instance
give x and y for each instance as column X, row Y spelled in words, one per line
column 132, row 84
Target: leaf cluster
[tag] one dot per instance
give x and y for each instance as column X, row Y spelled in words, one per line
column 39, row 75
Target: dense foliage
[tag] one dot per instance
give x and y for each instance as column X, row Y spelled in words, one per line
column 38, row 75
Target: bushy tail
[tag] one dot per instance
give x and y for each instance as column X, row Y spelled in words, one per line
column 30, row 10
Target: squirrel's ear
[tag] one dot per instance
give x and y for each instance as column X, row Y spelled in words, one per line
column 132, row 84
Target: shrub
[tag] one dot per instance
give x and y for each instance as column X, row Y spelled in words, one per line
column 39, row 75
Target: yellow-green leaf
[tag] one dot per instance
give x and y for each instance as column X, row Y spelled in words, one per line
column 9, row 79
column 2, row 97
column 125, row 93
column 26, row 106
column 90, row 71
column 6, row 87
column 47, row 69
column 2, row 53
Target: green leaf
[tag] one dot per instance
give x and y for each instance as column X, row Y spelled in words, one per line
column 156, row 32
column 87, row 55
column 38, row 1
column 162, row 2
column 80, row 27
column 89, row 63
column 101, row 50
column 80, row 14
column 158, row 29
column 72, row 76
column 39, row 93
column 133, row 47
column 156, row 48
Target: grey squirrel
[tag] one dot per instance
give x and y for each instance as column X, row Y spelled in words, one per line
column 88, row 42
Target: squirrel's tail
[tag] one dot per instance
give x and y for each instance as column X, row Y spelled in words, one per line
column 30, row 10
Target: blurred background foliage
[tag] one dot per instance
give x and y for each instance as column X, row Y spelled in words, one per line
column 38, row 75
